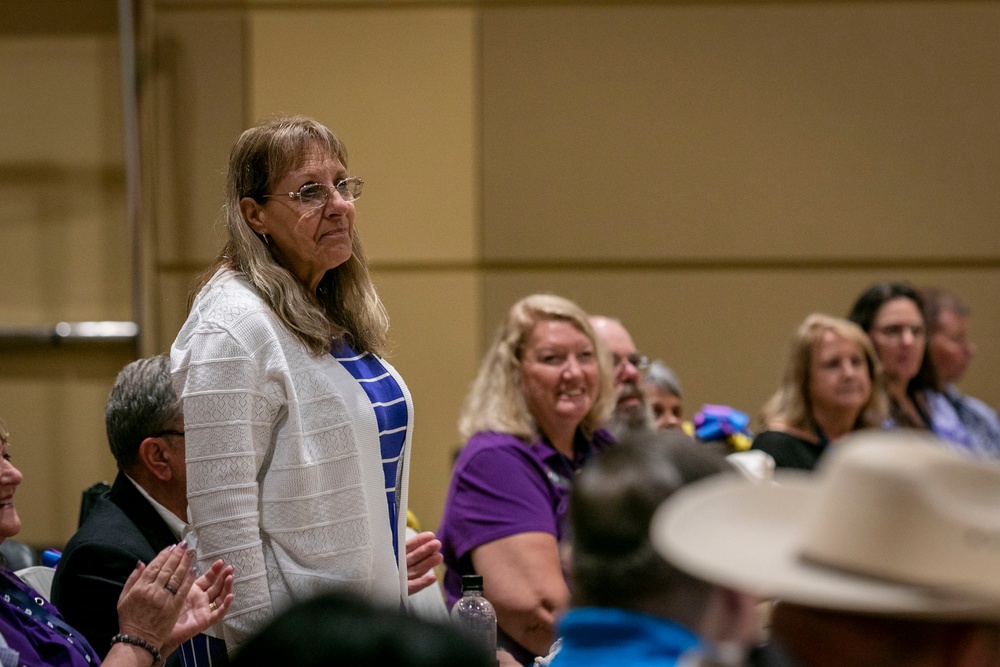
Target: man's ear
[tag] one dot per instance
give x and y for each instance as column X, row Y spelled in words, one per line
column 252, row 213
column 154, row 458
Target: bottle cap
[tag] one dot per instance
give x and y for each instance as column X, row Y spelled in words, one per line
column 472, row 582
column 50, row 557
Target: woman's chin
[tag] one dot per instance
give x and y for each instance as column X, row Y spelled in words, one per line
column 10, row 522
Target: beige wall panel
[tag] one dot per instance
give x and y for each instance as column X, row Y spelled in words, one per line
column 399, row 87
column 64, row 248
column 712, row 130
column 726, row 332
column 61, row 181
column 435, row 336
column 174, row 291
column 65, row 254
column 199, row 102
column 63, row 96
column 53, row 404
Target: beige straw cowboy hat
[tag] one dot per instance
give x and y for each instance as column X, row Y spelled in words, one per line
column 894, row 523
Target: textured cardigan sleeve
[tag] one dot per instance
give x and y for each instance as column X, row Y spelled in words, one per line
column 230, row 403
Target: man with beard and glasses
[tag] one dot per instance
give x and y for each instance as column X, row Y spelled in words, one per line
column 632, row 411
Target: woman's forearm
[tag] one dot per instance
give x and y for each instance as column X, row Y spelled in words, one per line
column 523, row 578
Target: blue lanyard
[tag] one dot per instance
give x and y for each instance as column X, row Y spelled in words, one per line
column 36, row 609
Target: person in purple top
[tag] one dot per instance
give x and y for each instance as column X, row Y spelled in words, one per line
column 162, row 604
column 532, row 419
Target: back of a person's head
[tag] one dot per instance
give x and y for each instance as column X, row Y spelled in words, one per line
column 341, row 630
column 612, row 502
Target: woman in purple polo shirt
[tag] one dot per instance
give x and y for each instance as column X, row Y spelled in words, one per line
column 532, row 419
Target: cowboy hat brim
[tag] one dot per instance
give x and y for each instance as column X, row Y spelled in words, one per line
column 747, row 537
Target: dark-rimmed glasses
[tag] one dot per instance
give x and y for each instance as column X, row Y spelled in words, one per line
column 315, row 195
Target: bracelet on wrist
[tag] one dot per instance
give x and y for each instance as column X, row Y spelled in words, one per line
column 122, row 638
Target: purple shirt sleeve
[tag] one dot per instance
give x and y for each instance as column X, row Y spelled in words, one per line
column 498, row 489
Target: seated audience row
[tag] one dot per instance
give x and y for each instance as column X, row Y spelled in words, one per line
column 532, row 421
column 295, row 442
column 909, row 351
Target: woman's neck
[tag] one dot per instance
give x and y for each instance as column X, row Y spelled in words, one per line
column 561, row 438
column 897, row 388
column 835, row 423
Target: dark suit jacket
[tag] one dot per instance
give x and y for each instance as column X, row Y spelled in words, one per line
column 122, row 529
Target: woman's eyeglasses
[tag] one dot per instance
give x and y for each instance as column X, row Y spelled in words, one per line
column 315, row 195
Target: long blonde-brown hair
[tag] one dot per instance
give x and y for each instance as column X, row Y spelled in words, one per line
column 496, row 401
column 346, row 305
column 792, row 405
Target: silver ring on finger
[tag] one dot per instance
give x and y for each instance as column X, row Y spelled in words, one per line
column 173, row 591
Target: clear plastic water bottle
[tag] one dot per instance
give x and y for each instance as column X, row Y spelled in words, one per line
column 474, row 615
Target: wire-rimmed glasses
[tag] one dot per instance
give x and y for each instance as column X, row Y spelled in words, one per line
column 315, row 195
column 637, row 359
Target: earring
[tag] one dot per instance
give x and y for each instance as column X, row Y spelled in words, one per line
column 266, row 242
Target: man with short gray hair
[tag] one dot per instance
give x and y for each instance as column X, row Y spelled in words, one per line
column 144, row 512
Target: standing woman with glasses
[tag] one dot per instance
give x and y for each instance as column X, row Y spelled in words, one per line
column 892, row 314
column 298, row 433
column 531, row 420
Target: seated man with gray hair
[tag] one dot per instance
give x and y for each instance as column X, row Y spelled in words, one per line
column 145, row 511
column 888, row 554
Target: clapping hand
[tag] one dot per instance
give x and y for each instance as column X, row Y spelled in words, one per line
column 166, row 603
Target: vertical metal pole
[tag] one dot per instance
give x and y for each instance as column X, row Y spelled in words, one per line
column 133, row 184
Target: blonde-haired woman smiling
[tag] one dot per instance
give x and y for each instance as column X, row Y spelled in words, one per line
column 531, row 420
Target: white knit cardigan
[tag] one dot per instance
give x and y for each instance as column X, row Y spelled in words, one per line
column 284, row 467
